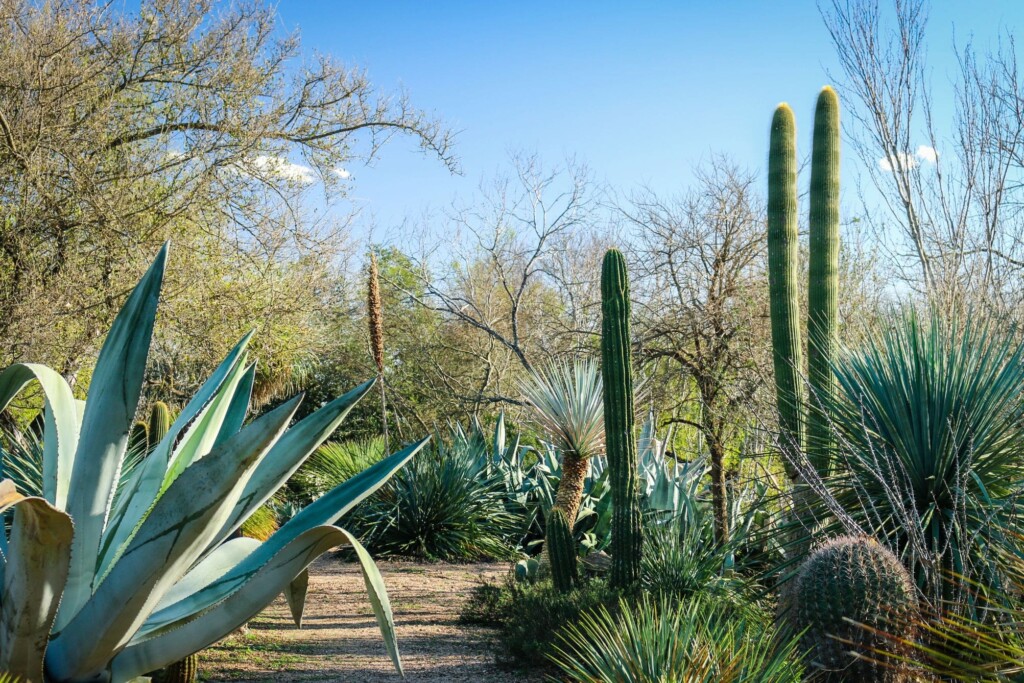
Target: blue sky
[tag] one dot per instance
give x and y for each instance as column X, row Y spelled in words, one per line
column 641, row 91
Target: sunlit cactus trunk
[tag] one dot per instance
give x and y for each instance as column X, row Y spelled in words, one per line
column 783, row 255
column 618, row 419
column 823, row 280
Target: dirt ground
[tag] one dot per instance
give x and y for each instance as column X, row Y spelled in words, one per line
column 339, row 640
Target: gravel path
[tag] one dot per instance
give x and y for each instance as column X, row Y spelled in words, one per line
column 339, row 640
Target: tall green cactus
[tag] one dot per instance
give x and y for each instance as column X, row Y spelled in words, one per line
column 561, row 551
column 846, row 584
column 620, row 439
column 807, row 432
column 185, row 670
column 823, row 278
column 159, row 422
column 782, row 274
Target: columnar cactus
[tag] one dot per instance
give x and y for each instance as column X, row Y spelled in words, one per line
column 159, row 422
column 618, row 420
column 782, row 274
column 802, row 432
column 823, row 278
column 184, row 670
column 561, row 551
column 846, row 592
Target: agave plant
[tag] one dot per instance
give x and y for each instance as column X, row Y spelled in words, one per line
column 567, row 402
column 107, row 577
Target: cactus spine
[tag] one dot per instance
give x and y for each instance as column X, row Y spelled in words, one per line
column 823, row 278
column 618, row 420
column 854, row 579
column 782, row 274
column 561, row 551
column 159, row 422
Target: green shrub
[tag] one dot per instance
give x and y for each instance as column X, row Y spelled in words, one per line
column 335, row 462
column 529, row 615
column 446, row 505
column 661, row 640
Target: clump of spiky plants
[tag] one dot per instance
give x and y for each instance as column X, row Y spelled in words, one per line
column 567, row 403
column 930, row 449
column 660, row 640
column 848, row 591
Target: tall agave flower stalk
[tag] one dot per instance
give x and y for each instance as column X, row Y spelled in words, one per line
column 375, row 317
column 116, row 570
column 567, row 402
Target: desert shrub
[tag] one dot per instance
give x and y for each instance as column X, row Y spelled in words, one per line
column 532, row 614
column 655, row 640
column 333, row 463
column 445, row 505
column 261, row 524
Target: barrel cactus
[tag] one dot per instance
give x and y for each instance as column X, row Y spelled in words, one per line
column 122, row 566
column 845, row 592
column 184, row 671
column 561, row 551
column 617, row 377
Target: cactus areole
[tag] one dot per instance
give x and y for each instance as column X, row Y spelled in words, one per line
column 618, row 420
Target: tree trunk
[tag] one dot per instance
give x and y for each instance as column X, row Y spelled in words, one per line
column 570, row 487
column 718, row 493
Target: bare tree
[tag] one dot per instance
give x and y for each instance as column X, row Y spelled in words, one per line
column 518, row 271
column 701, row 293
column 950, row 216
column 184, row 120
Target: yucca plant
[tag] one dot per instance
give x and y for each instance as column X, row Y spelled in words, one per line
column 108, row 577
column 567, row 402
column 931, row 451
column 658, row 640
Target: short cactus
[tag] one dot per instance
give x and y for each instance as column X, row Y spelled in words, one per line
column 845, row 585
column 159, row 422
column 561, row 551
column 617, row 375
column 184, row 671
column 138, row 437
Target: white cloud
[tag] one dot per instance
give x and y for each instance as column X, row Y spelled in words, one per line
column 342, row 173
column 924, row 153
column 285, row 169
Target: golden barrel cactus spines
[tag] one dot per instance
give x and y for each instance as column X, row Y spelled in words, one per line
column 823, row 279
column 617, row 376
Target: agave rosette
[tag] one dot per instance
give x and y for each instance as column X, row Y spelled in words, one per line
column 106, row 577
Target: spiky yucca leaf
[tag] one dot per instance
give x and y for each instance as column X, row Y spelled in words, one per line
column 567, row 403
column 931, row 451
column 655, row 641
